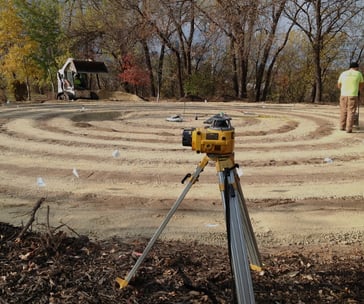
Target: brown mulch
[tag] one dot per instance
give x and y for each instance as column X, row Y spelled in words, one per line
column 52, row 267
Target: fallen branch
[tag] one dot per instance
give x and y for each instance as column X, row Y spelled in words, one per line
column 32, row 217
column 74, row 231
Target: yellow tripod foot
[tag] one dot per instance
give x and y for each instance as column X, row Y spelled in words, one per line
column 255, row 268
column 122, row 283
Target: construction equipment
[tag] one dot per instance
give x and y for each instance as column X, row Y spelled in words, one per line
column 217, row 141
column 79, row 79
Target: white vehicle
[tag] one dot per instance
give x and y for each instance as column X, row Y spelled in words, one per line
column 79, row 79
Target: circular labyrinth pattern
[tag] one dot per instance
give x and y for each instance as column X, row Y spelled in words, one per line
column 117, row 167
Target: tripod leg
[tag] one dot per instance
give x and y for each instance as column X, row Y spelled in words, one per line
column 124, row 282
column 239, row 261
column 252, row 246
column 247, row 229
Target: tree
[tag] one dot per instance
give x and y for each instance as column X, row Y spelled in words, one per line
column 173, row 22
column 321, row 21
column 238, row 21
column 133, row 74
column 41, row 19
column 267, row 52
column 30, row 37
column 115, row 31
column 353, row 35
column 17, row 50
column 292, row 71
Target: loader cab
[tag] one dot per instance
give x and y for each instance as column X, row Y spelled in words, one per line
column 79, row 79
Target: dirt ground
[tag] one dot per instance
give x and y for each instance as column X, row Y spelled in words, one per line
column 114, row 168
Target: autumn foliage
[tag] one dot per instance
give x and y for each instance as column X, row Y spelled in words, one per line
column 132, row 73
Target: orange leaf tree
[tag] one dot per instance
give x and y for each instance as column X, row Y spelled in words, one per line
column 133, row 75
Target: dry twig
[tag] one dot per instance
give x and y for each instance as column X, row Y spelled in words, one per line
column 32, row 217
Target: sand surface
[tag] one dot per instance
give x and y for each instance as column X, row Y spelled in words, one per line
column 111, row 168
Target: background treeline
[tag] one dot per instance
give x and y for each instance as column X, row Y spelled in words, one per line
column 278, row 50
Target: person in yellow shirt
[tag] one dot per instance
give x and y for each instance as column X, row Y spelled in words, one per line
column 350, row 83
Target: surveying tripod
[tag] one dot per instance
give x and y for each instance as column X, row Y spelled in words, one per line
column 240, row 235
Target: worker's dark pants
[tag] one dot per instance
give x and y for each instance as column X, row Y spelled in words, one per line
column 347, row 110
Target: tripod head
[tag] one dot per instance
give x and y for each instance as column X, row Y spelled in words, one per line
column 217, row 138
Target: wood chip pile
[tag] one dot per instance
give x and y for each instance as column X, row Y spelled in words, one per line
column 52, row 267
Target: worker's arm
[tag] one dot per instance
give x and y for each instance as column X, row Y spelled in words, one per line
column 361, row 92
column 361, row 86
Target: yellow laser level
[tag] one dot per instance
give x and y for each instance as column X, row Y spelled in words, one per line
column 217, row 138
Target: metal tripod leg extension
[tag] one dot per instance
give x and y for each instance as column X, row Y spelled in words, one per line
column 227, row 166
column 239, row 230
column 252, row 246
column 193, row 178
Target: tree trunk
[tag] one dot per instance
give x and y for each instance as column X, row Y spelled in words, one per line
column 243, row 76
column 179, row 75
column 268, row 80
column 313, row 92
column 29, row 94
column 160, row 69
column 318, row 76
column 267, row 50
column 258, row 82
column 235, row 69
column 149, row 67
column 190, row 40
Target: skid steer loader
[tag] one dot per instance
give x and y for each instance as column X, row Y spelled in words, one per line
column 79, row 79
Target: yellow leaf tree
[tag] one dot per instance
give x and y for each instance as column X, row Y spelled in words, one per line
column 16, row 50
